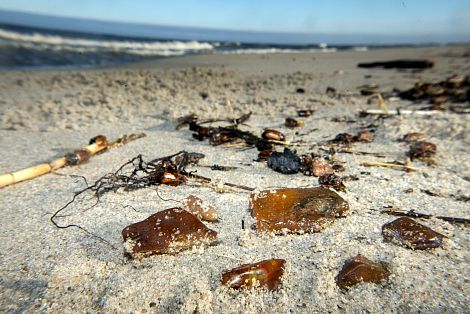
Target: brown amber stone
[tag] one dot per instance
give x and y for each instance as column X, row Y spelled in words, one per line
column 168, row 231
column 266, row 273
column 293, row 123
column 332, row 181
column 364, row 136
column 360, row 269
column 296, row 209
column 405, row 231
column 316, row 166
column 413, row 137
column 270, row 134
column 203, row 211
column 422, row 149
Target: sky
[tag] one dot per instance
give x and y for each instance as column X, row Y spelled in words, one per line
column 380, row 17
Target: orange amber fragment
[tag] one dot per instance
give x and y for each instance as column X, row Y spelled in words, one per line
column 266, row 273
column 203, row 211
column 296, row 209
column 360, row 269
column 168, row 231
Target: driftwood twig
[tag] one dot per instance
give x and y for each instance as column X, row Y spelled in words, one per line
column 97, row 144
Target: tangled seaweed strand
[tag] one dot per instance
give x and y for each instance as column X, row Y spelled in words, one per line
column 134, row 175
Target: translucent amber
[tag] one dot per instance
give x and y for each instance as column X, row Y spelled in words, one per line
column 296, row 209
column 407, row 232
column 266, row 273
column 360, row 269
column 169, row 231
column 203, row 211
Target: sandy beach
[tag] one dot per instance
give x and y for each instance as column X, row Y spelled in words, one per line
column 45, row 114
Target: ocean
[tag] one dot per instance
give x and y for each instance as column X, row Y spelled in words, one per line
column 29, row 47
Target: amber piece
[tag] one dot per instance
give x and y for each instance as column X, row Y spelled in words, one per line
column 363, row 136
column 266, row 273
column 172, row 178
column 405, row 231
column 270, row 134
column 295, row 210
column 99, row 139
column 331, row 180
column 293, row 123
column 168, row 231
column 344, row 138
column 413, row 137
column 203, row 211
column 264, row 154
column 360, row 269
column 422, row 149
column 316, row 166
column 439, row 100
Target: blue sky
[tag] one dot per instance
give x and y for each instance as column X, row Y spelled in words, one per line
column 387, row 17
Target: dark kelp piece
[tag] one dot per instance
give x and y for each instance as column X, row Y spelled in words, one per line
column 398, row 64
column 407, row 232
column 286, row 162
column 295, row 210
column 266, row 273
column 168, row 231
column 360, row 269
column 453, row 89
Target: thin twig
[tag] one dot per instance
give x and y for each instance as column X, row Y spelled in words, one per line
column 97, row 144
column 411, row 213
column 205, row 179
column 388, row 164
column 398, row 112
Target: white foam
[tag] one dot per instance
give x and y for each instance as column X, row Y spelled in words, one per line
column 147, row 48
column 274, row 50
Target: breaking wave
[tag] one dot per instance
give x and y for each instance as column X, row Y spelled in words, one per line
column 40, row 41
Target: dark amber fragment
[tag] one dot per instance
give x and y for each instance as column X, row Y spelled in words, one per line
column 264, row 154
column 266, row 273
column 344, row 138
column 331, row 180
column 413, row 137
column 405, row 231
column 360, row 269
column 270, row 134
column 168, row 231
column 363, row 136
column 422, row 149
column 296, row 209
column 293, row 123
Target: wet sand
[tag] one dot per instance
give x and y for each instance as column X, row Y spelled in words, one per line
column 44, row 114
